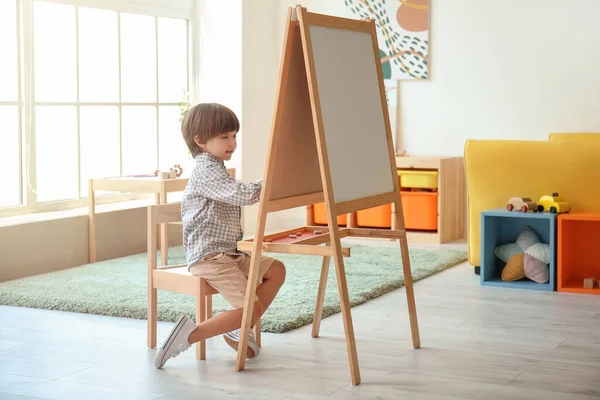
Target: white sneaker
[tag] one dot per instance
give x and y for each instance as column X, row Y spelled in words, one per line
column 176, row 342
column 233, row 339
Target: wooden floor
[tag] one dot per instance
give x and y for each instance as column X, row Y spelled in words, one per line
column 477, row 343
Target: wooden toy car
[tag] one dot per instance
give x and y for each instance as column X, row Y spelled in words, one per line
column 522, row 204
column 554, row 204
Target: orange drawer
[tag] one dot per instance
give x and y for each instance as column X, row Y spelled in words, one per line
column 376, row 217
column 320, row 215
column 420, row 210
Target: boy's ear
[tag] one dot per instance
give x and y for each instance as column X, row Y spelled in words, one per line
column 201, row 145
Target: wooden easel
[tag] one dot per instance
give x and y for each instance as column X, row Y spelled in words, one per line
column 330, row 141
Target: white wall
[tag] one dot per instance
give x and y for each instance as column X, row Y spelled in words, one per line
column 219, row 61
column 260, row 64
column 238, row 67
column 509, row 70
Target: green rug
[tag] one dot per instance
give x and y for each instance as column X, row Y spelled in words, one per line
column 118, row 287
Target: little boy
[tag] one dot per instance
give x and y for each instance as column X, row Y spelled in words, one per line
column 211, row 211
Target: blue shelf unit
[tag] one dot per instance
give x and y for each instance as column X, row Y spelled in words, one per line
column 500, row 227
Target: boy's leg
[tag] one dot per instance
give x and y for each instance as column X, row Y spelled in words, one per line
column 272, row 275
column 227, row 275
column 273, row 279
column 222, row 323
column 230, row 279
column 185, row 332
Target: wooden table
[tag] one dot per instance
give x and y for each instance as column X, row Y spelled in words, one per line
column 160, row 188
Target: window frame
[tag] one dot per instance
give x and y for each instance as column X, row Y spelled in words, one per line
column 181, row 9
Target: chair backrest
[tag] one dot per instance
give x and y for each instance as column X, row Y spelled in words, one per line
column 159, row 214
column 163, row 213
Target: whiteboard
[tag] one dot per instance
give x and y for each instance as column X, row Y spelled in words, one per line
column 352, row 113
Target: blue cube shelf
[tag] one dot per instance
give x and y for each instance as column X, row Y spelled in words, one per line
column 500, row 227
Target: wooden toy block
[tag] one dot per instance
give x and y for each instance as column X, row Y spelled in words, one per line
column 318, row 232
column 588, row 283
column 164, row 174
column 298, row 233
column 293, row 236
column 172, row 174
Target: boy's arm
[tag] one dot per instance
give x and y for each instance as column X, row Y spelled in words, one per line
column 218, row 185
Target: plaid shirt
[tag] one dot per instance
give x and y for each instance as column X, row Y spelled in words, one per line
column 211, row 209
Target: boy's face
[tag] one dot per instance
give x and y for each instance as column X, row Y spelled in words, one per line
column 221, row 146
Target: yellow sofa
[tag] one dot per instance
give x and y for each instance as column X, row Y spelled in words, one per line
column 499, row 169
column 575, row 137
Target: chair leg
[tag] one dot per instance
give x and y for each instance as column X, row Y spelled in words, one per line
column 257, row 333
column 152, row 296
column 209, row 307
column 201, row 317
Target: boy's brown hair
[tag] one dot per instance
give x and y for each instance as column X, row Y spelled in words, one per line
column 206, row 121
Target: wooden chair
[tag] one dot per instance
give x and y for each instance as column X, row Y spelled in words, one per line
column 175, row 278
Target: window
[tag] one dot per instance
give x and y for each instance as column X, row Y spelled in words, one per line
column 87, row 90
column 10, row 149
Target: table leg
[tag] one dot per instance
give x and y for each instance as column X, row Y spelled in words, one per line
column 164, row 234
column 394, row 220
column 157, row 201
column 351, row 218
column 91, row 222
column 310, row 215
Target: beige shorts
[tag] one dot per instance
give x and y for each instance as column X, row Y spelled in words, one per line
column 229, row 274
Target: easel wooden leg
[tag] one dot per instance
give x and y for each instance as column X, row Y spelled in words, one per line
column 251, row 288
column 408, row 282
column 345, row 305
column 321, row 295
